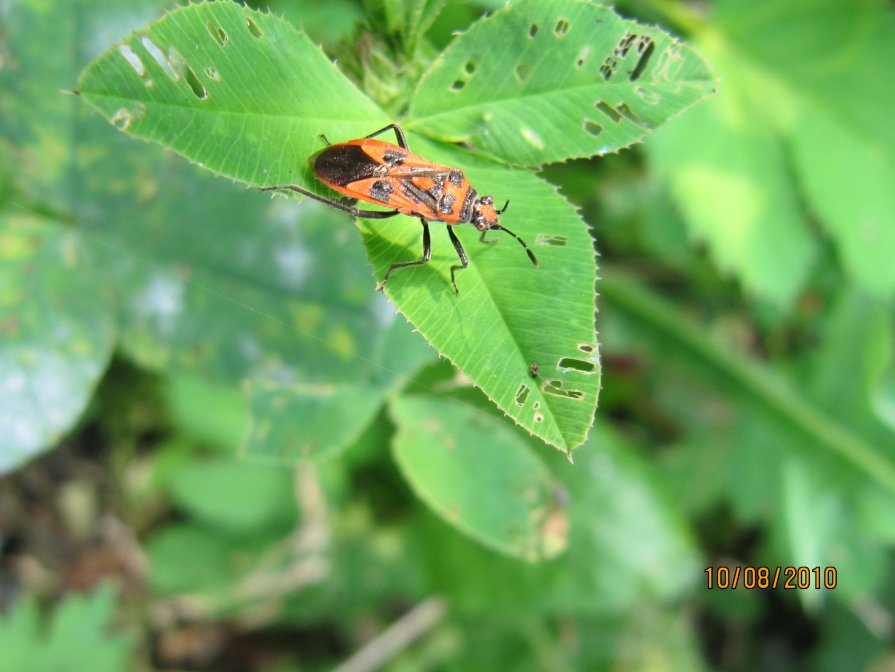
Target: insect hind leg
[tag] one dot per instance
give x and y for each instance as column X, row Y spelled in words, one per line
column 399, row 134
column 427, row 253
column 354, row 212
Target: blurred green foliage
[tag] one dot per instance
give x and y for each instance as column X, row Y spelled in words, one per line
column 76, row 636
column 747, row 411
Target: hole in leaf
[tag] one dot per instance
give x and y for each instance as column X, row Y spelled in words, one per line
column 121, row 119
column 555, row 387
column 123, row 116
column 607, row 70
column 523, row 72
column 458, row 85
column 253, row 28
column 539, row 417
column 133, row 59
column 646, row 50
column 536, row 405
column 219, row 34
column 532, row 138
column 582, row 57
column 647, row 96
column 608, row 110
column 533, row 30
column 572, row 364
column 183, row 69
column 213, row 74
column 630, row 115
column 470, row 67
column 586, row 347
column 551, row 240
column 561, row 28
column 195, row 83
column 592, row 127
column 159, row 57
column 624, row 44
column 522, row 395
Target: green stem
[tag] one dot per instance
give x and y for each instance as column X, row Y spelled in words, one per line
column 648, row 309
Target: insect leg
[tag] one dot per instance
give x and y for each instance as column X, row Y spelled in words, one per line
column 354, row 212
column 427, row 252
column 482, row 238
column 464, row 260
column 402, row 140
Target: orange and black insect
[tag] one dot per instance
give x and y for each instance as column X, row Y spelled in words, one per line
column 385, row 174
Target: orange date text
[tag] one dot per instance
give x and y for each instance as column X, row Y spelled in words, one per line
column 762, row 578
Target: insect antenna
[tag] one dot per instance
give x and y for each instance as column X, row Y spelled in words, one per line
column 531, row 255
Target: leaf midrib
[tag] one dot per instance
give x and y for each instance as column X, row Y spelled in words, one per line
column 165, row 104
column 538, row 94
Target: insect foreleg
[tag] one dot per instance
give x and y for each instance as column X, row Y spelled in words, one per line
column 402, row 140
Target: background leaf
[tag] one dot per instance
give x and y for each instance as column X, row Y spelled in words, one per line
column 57, row 335
column 618, row 524
column 303, row 423
column 232, row 495
column 481, row 478
column 802, row 423
column 785, row 123
column 295, row 422
column 725, row 153
column 849, row 185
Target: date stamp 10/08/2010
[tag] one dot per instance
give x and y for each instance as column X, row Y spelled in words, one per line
column 764, row 578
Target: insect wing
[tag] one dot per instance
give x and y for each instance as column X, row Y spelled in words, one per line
column 397, row 160
column 402, row 194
